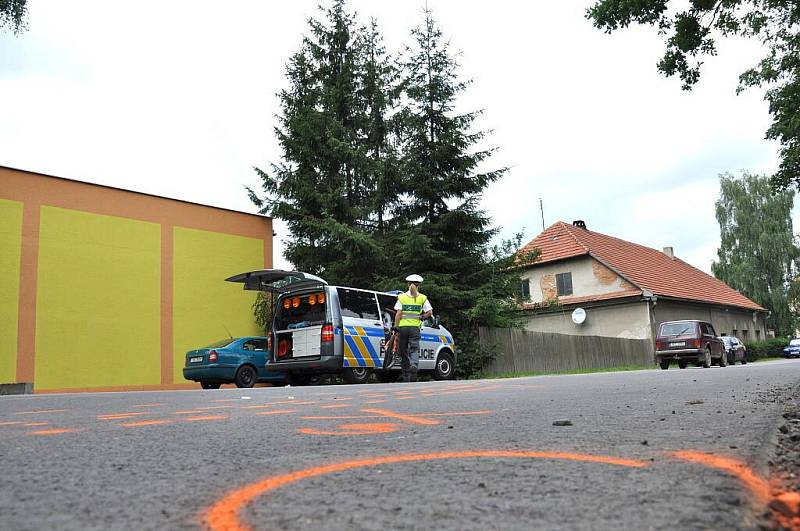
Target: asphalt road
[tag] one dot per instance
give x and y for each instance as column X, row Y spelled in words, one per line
column 645, row 450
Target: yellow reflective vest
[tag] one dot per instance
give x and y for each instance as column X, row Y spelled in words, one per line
column 412, row 309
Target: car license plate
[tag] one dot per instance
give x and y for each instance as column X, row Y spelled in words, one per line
column 196, row 360
column 678, row 344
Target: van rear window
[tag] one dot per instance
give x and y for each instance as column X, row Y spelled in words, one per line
column 677, row 329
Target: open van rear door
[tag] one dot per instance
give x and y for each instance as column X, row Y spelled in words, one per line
column 276, row 280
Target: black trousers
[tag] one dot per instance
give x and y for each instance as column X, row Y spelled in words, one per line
column 408, row 349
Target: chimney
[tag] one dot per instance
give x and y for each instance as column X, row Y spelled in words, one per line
column 579, row 223
column 668, row 251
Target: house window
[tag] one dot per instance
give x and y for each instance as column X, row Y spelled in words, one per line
column 525, row 289
column 564, row 283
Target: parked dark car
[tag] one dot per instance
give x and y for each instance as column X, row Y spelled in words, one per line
column 235, row 360
column 792, row 350
column 689, row 342
column 735, row 350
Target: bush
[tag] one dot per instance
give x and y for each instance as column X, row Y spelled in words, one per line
column 771, row 348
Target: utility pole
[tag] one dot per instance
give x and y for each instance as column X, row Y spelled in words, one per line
column 541, row 209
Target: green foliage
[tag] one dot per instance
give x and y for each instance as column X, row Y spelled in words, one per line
column 758, row 254
column 12, row 14
column 771, row 348
column 380, row 176
column 264, row 310
column 690, row 33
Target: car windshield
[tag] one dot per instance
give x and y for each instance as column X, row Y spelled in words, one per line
column 794, row 343
column 221, row 343
column 676, row 329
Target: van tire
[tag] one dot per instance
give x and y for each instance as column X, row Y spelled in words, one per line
column 245, row 377
column 298, row 379
column 664, row 364
column 445, row 367
column 356, row 375
column 388, row 376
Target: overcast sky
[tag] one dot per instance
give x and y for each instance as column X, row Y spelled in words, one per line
column 177, row 99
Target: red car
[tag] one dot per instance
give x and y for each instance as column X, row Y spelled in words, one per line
column 689, row 342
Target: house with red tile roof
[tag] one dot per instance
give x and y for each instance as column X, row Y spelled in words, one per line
column 625, row 289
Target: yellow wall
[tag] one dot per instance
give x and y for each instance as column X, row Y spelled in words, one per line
column 10, row 243
column 98, row 303
column 203, row 304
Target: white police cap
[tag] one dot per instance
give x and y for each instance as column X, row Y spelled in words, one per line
column 414, row 278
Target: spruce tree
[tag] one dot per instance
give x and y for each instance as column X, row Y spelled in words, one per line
column 322, row 187
column 445, row 236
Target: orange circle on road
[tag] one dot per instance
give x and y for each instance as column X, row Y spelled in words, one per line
column 225, row 513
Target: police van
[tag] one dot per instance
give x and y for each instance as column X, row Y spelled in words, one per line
column 323, row 329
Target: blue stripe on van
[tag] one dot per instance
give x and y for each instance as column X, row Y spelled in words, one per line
column 356, row 352
column 372, row 353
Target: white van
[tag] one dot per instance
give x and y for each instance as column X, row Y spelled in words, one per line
column 322, row 329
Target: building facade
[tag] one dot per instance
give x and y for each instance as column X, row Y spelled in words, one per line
column 106, row 289
column 626, row 289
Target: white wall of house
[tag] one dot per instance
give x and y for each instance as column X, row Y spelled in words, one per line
column 629, row 320
column 589, row 277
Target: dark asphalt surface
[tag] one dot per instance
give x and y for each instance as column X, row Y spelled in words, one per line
column 113, row 471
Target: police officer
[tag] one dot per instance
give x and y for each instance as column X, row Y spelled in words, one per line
column 411, row 308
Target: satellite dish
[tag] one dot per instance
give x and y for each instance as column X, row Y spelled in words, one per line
column 578, row 316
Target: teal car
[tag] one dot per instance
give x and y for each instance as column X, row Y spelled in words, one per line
column 235, row 360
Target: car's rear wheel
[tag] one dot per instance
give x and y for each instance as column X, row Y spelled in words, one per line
column 245, row 377
column 355, row 375
column 664, row 364
column 706, row 361
column 682, row 364
column 210, row 385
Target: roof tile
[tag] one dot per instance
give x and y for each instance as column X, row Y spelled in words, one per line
column 645, row 267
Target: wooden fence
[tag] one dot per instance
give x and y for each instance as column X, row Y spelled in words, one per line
column 524, row 351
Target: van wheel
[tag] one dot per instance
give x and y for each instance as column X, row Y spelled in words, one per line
column 682, row 364
column 298, row 379
column 388, row 376
column 210, row 385
column 706, row 361
column 356, row 375
column 245, row 377
column 445, row 368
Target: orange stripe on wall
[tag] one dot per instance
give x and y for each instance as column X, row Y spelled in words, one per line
column 166, row 304
column 29, row 270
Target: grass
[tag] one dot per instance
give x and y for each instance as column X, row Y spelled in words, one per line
column 574, row 371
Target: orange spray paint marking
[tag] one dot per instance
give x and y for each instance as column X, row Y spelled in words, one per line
column 147, row 405
column 281, row 403
column 334, row 406
column 224, row 513
column 408, row 418
column 341, row 417
column 760, row 488
column 200, row 418
column 354, row 429
column 140, row 423
column 55, row 431
column 38, row 411
column 277, row 412
column 32, row 424
column 187, row 412
column 119, row 416
column 11, row 423
column 375, row 401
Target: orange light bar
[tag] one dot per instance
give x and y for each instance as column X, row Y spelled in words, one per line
column 296, row 302
column 287, row 303
column 312, row 299
column 321, row 298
